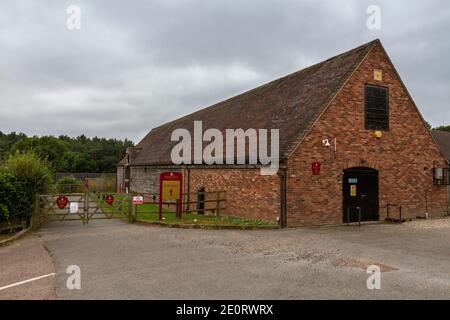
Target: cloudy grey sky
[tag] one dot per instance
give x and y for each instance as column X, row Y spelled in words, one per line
column 136, row 64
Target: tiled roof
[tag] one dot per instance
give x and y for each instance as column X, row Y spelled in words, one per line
column 443, row 140
column 290, row 104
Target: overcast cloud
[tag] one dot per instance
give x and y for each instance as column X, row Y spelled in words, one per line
column 137, row 64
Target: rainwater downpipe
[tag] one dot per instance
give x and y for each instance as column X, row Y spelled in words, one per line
column 283, row 218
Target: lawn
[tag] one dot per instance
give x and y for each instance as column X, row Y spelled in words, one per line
column 149, row 212
column 170, row 217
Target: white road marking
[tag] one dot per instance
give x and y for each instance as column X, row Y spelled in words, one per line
column 26, row 281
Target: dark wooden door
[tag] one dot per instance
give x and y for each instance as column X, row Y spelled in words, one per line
column 201, row 200
column 127, row 179
column 360, row 188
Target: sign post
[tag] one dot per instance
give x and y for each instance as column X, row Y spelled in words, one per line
column 171, row 188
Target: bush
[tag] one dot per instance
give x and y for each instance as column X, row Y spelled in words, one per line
column 7, row 196
column 4, row 214
column 69, row 184
column 10, row 198
column 70, row 180
column 22, row 176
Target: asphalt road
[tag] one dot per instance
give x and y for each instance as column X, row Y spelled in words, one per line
column 123, row 261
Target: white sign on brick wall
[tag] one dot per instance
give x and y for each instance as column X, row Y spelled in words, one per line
column 138, row 200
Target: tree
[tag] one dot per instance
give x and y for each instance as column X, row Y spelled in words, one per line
column 49, row 148
column 7, row 141
column 443, row 128
column 65, row 154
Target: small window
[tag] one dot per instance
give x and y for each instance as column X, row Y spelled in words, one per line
column 441, row 176
column 377, row 108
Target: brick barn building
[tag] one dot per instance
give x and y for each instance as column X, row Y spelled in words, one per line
column 352, row 114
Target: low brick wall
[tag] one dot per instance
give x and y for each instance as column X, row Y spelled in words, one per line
column 248, row 193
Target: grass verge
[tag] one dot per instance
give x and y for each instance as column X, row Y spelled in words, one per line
column 149, row 212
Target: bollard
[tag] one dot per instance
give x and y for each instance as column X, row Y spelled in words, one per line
column 359, row 216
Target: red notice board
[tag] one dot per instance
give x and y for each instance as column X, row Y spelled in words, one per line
column 171, row 189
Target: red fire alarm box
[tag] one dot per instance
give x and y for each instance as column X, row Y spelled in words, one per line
column 315, row 167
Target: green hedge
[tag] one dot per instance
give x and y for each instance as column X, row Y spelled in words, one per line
column 22, row 176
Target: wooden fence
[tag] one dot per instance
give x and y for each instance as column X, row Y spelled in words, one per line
column 203, row 202
column 212, row 203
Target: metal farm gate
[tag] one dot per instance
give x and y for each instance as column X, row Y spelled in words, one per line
column 82, row 207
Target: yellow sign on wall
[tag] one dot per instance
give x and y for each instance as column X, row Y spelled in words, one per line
column 353, row 190
column 378, row 134
column 378, row 75
column 171, row 190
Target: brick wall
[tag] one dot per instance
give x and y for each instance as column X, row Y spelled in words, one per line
column 248, row 193
column 401, row 155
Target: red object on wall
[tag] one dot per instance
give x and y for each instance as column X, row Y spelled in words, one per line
column 62, row 202
column 109, row 200
column 315, row 167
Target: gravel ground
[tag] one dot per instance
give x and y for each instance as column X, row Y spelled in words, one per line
column 123, row 261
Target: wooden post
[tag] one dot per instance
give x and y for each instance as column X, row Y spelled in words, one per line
column 178, row 209
column 34, row 222
column 86, row 206
column 131, row 209
column 133, row 214
column 218, row 204
column 359, row 216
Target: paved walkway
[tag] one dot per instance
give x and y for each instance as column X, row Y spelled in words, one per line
column 123, row 261
column 23, row 260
